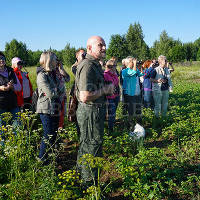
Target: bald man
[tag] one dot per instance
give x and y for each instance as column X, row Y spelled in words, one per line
column 91, row 91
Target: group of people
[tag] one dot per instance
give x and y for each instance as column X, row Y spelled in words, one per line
column 147, row 84
column 15, row 88
column 16, row 95
column 97, row 91
column 98, row 94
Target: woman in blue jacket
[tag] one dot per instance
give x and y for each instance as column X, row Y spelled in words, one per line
column 131, row 87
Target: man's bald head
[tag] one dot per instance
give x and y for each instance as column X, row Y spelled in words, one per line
column 93, row 39
column 96, row 47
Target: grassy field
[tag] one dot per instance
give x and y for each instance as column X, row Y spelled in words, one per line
column 181, row 73
column 32, row 76
column 165, row 165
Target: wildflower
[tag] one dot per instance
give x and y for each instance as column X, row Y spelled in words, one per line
column 64, row 186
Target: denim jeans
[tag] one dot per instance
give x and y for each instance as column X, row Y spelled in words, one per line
column 161, row 102
column 112, row 107
column 148, row 99
column 50, row 126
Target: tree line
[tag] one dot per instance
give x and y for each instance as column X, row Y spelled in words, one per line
column 131, row 43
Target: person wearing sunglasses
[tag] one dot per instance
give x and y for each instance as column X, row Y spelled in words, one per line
column 110, row 76
column 24, row 96
column 9, row 84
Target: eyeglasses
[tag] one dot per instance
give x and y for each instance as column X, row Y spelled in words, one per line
column 2, row 58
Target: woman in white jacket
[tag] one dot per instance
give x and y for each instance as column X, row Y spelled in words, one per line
column 161, row 86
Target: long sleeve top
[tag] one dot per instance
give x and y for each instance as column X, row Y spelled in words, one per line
column 147, row 84
column 113, row 77
column 49, row 93
column 26, row 86
column 158, row 73
column 130, row 81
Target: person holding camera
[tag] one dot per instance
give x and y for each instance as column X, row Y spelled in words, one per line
column 9, row 84
column 24, row 96
column 147, row 85
column 170, row 67
column 155, row 63
column 161, row 86
column 131, row 88
column 115, row 59
column 110, row 76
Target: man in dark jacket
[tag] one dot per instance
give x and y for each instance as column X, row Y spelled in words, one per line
column 90, row 92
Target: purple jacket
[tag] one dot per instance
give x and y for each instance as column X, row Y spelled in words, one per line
column 109, row 76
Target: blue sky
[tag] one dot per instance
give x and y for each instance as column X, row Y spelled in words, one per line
column 44, row 23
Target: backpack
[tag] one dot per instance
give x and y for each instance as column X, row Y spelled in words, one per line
column 35, row 99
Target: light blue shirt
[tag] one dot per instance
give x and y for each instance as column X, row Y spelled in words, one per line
column 130, row 81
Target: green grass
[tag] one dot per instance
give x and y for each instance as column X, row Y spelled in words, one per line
column 165, row 165
column 186, row 73
column 32, row 76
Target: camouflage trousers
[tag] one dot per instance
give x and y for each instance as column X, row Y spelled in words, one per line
column 91, row 122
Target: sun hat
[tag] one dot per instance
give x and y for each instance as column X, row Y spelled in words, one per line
column 16, row 60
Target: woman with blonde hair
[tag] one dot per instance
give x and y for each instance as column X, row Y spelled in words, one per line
column 48, row 104
column 131, row 88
